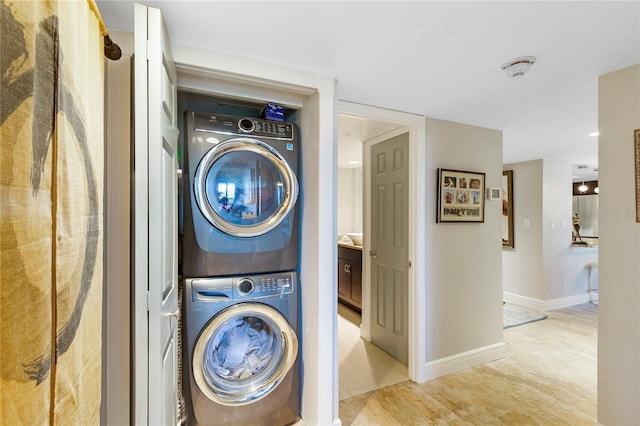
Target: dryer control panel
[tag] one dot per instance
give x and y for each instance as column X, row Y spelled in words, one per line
column 230, row 125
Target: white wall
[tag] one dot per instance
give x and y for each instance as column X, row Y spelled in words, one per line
column 357, row 199
column 543, row 271
column 463, row 305
column 116, row 321
column 564, row 266
column 619, row 311
column 349, row 203
column 522, row 266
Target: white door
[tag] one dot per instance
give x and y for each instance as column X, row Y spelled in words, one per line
column 389, row 177
column 156, row 277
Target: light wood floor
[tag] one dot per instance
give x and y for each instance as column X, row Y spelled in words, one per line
column 363, row 366
column 548, row 378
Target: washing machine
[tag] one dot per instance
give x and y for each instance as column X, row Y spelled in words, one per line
column 241, row 337
column 240, row 189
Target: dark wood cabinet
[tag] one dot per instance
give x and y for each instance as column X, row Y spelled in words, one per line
column 350, row 277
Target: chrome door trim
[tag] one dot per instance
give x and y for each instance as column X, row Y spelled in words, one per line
column 217, row 391
column 290, row 186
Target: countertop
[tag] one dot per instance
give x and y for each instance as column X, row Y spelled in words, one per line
column 351, row 246
column 590, row 243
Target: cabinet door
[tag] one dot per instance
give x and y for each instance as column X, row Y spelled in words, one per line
column 356, row 284
column 344, row 279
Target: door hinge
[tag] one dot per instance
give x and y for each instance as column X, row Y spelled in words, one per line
column 409, row 264
column 148, row 301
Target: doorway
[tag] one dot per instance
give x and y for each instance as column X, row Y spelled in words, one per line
column 357, row 124
column 362, row 366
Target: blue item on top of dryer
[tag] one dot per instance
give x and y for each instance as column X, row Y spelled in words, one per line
column 242, row 350
column 240, row 196
column 273, row 112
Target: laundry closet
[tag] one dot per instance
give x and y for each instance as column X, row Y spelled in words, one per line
column 230, row 87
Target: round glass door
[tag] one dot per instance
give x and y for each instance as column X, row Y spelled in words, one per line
column 243, row 354
column 244, row 187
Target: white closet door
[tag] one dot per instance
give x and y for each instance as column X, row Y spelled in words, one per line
column 156, row 277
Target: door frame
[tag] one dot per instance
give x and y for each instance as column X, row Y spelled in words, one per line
column 415, row 125
column 314, row 95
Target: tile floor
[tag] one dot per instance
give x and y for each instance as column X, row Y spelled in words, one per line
column 363, row 366
column 549, row 377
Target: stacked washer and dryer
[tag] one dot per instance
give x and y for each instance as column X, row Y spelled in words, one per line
column 239, row 258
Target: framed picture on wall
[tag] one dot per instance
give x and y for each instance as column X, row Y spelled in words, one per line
column 507, row 209
column 460, row 196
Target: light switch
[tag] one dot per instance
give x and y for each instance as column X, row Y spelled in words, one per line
column 526, row 223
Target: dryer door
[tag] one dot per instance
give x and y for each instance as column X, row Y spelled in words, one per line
column 243, row 354
column 244, row 187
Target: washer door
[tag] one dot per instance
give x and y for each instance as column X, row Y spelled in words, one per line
column 244, row 187
column 243, row 354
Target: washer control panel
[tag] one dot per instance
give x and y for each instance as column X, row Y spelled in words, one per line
column 245, row 287
column 263, row 286
column 228, row 124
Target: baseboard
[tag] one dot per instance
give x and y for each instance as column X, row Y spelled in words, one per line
column 464, row 360
column 336, row 422
column 565, row 302
column 524, row 301
column 545, row 305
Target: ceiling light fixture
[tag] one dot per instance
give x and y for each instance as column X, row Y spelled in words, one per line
column 594, row 134
column 583, row 187
column 518, row 67
column 597, row 190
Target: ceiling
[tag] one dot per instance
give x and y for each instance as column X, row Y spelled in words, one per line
column 438, row 59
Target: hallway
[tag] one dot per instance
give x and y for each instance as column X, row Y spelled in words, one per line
column 549, row 377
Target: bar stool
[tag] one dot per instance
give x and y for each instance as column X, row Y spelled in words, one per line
column 590, row 267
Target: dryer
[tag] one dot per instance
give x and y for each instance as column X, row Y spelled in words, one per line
column 240, row 213
column 242, row 350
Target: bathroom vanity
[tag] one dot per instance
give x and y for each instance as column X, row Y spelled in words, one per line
column 350, row 276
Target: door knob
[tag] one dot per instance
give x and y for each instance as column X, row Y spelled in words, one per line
column 373, row 253
column 347, row 268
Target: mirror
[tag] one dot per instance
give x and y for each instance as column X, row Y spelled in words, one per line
column 585, row 210
column 349, row 200
column 586, row 207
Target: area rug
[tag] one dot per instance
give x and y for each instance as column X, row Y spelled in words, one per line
column 514, row 316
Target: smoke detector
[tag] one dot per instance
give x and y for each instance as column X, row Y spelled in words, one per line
column 518, row 67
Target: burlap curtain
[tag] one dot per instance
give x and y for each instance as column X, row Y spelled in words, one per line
column 51, row 166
